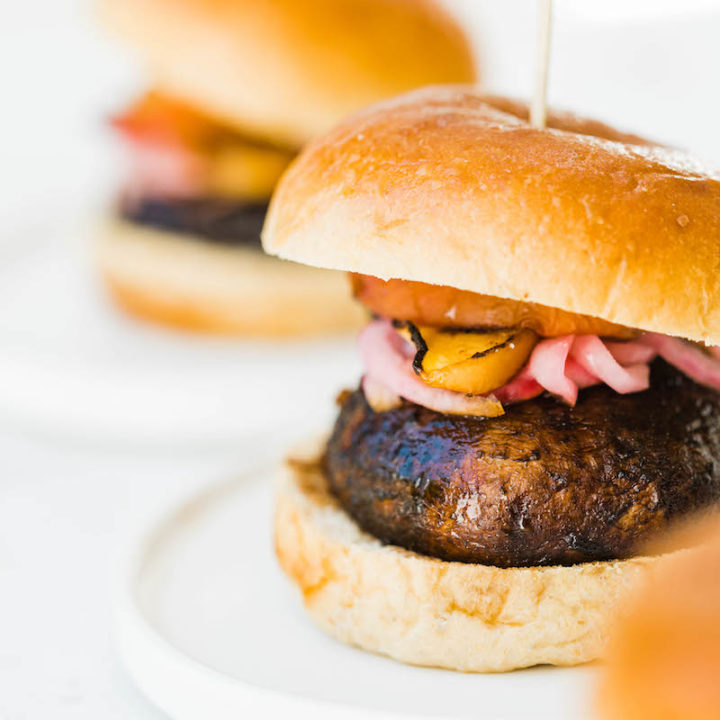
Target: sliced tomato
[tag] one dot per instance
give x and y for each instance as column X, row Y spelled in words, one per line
column 157, row 118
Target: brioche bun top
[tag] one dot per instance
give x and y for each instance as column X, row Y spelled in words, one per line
column 287, row 70
column 446, row 186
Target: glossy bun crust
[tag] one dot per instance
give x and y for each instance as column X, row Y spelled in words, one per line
column 425, row 611
column 450, row 187
column 544, row 484
column 287, row 70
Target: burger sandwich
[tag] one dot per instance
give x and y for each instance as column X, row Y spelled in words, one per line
column 541, row 384
column 237, row 87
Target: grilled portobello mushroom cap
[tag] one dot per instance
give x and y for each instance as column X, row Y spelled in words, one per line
column 544, row 484
column 218, row 221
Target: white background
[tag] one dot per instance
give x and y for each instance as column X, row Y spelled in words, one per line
column 68, row 507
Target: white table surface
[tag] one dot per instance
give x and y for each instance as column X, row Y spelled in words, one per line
column 67, row 513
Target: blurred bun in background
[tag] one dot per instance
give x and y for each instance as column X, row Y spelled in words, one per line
column 664, row 657
column 237, row 87
column 286, row 70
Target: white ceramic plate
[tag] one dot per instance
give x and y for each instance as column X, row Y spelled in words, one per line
column 69, row 361
column 209, row 628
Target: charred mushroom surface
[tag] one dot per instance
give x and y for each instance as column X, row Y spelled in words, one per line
column 543, row 484
column 214, row 220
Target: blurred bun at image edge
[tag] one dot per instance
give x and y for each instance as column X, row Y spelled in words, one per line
column 663, row 660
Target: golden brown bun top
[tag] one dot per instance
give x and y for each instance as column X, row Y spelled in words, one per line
column 287, row 70
column 447, row 186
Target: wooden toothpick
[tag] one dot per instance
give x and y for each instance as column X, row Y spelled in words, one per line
column 538, row 108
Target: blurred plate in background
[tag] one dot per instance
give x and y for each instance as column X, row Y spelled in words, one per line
column 71, row 363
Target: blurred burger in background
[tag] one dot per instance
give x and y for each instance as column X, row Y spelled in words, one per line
column 237, row 87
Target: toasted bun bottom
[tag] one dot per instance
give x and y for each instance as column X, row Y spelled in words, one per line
column 425, row 611
column 196, row 285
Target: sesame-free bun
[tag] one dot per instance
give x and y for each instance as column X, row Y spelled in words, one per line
column 286, row 70
column 195, row 285
column 425, row 611
column 450, row 187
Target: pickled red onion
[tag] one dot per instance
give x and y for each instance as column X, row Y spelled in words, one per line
column 702, row 367
column 561, row 366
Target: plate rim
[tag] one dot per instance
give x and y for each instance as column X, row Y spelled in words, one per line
column 180, row 685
